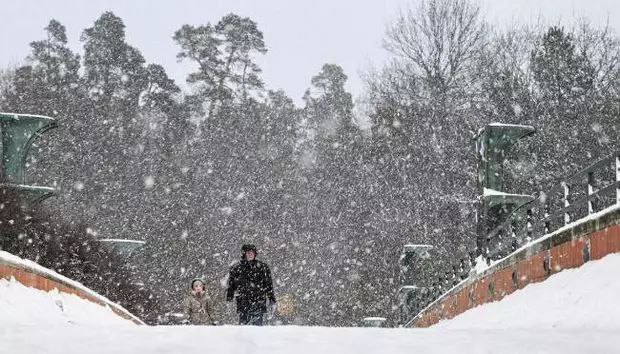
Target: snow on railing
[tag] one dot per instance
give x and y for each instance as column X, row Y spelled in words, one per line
column 584, row 193
column 415, row 298
column 596, row 189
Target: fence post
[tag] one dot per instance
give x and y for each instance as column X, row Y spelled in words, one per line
column 448, row 279
column 590, row 192
column 487, row 247
column 529, row 224
column 513, row 235
column 547, row 213
column 618, row 178
column 472, row 261
column 440, row 285
column 566, row 202
column 463, row 265
column 434, row 291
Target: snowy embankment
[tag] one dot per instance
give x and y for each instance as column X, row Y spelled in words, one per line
column 36, row 276
column 21, row 305
column 575, row 311
column 587, row 298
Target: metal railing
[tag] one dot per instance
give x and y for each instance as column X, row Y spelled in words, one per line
column 584, row 193
column 440, row 281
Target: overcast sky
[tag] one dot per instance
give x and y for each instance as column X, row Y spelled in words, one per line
column 300, row 35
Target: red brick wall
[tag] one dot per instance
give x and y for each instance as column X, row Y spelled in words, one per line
column 605, row 242
column 481, row 292
column 32, row 279
column 532, row 270
column 567, row 255
column 507, row 279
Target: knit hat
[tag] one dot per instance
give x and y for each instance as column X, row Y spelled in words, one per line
column 191, row 285
column 248, row 247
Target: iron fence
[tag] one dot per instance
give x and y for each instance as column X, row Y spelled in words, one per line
column 582, row 194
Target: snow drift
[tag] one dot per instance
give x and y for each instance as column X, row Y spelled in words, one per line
column 21, row 305
column 579, row 298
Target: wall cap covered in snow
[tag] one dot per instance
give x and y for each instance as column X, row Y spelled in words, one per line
column 36, row 276
column 589, row 238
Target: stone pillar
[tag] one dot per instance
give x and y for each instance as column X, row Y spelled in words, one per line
column 415, row 271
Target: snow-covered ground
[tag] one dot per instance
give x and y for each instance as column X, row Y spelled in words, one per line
column 297, row 340
column 585, row 298
column 575, row 311
column 33, row 267
column 20, row 305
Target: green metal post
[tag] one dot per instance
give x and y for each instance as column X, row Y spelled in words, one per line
column 492, row 144
column 18, row 133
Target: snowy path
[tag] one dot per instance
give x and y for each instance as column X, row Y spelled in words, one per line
column 276, row 340
column 575, row 311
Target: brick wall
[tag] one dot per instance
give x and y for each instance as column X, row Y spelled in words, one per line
column 570, row 248
column 46, row 281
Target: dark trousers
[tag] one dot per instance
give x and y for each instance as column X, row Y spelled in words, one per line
column 252, row 319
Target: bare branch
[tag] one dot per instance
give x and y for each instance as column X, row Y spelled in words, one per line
column 441, row 38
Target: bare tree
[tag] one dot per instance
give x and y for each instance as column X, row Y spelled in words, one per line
column 441, row 39
column 602, row 48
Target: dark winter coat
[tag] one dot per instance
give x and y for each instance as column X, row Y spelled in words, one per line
column 251, row 282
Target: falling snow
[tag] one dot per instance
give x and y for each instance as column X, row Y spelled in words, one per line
column 328, row 186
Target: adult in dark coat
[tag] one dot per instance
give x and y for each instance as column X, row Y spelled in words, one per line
column 250, row 282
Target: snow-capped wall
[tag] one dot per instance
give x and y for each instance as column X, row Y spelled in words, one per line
column 570, row 247
column 25, row 306
column 583, row 299
column 35, row 276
